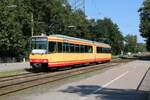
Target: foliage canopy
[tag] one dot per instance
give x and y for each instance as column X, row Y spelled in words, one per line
column 53, row 17
column 145, row 22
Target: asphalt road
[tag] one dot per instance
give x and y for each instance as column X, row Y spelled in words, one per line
column 119, row 83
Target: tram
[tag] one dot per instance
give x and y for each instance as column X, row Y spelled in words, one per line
column 56, row 51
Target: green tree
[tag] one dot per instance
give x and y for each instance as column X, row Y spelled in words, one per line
column 12, row 28
column 108, row 32
column 131, row 43
column 145, row 21
column 18, row 17
column 48, row 15
column 141, row 47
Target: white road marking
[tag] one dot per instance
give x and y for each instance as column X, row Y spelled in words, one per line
column 107, row 84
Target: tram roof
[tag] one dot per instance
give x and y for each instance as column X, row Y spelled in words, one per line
column 76, row 39
column 79, row 39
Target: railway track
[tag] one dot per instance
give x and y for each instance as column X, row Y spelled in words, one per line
column 13, row 77
column 21, row 82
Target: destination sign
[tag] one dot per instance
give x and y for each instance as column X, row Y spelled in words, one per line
column 39, row 39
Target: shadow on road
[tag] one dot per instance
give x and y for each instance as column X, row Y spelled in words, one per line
column 106, row 93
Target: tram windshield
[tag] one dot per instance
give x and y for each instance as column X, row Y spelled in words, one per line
column 39, row 43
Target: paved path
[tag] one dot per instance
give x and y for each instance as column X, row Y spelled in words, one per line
column 119, row 83
column 145, row 85
column 13, row 66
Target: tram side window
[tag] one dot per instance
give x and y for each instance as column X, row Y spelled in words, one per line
column 66, row 47
column 52, row 47
column 60, row 47
column 103, row 50
column 77, row 48
column 99, row 50
column 88, row 49
column 82, row 48
column 107, row 50
column 72, row 48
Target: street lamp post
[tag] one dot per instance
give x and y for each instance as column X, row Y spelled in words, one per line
column 32, row 25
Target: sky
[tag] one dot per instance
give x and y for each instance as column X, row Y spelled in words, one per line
column 122, row 12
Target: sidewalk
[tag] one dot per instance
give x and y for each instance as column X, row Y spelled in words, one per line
column 118, row 83
column 13, row 66
column 145, row 86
